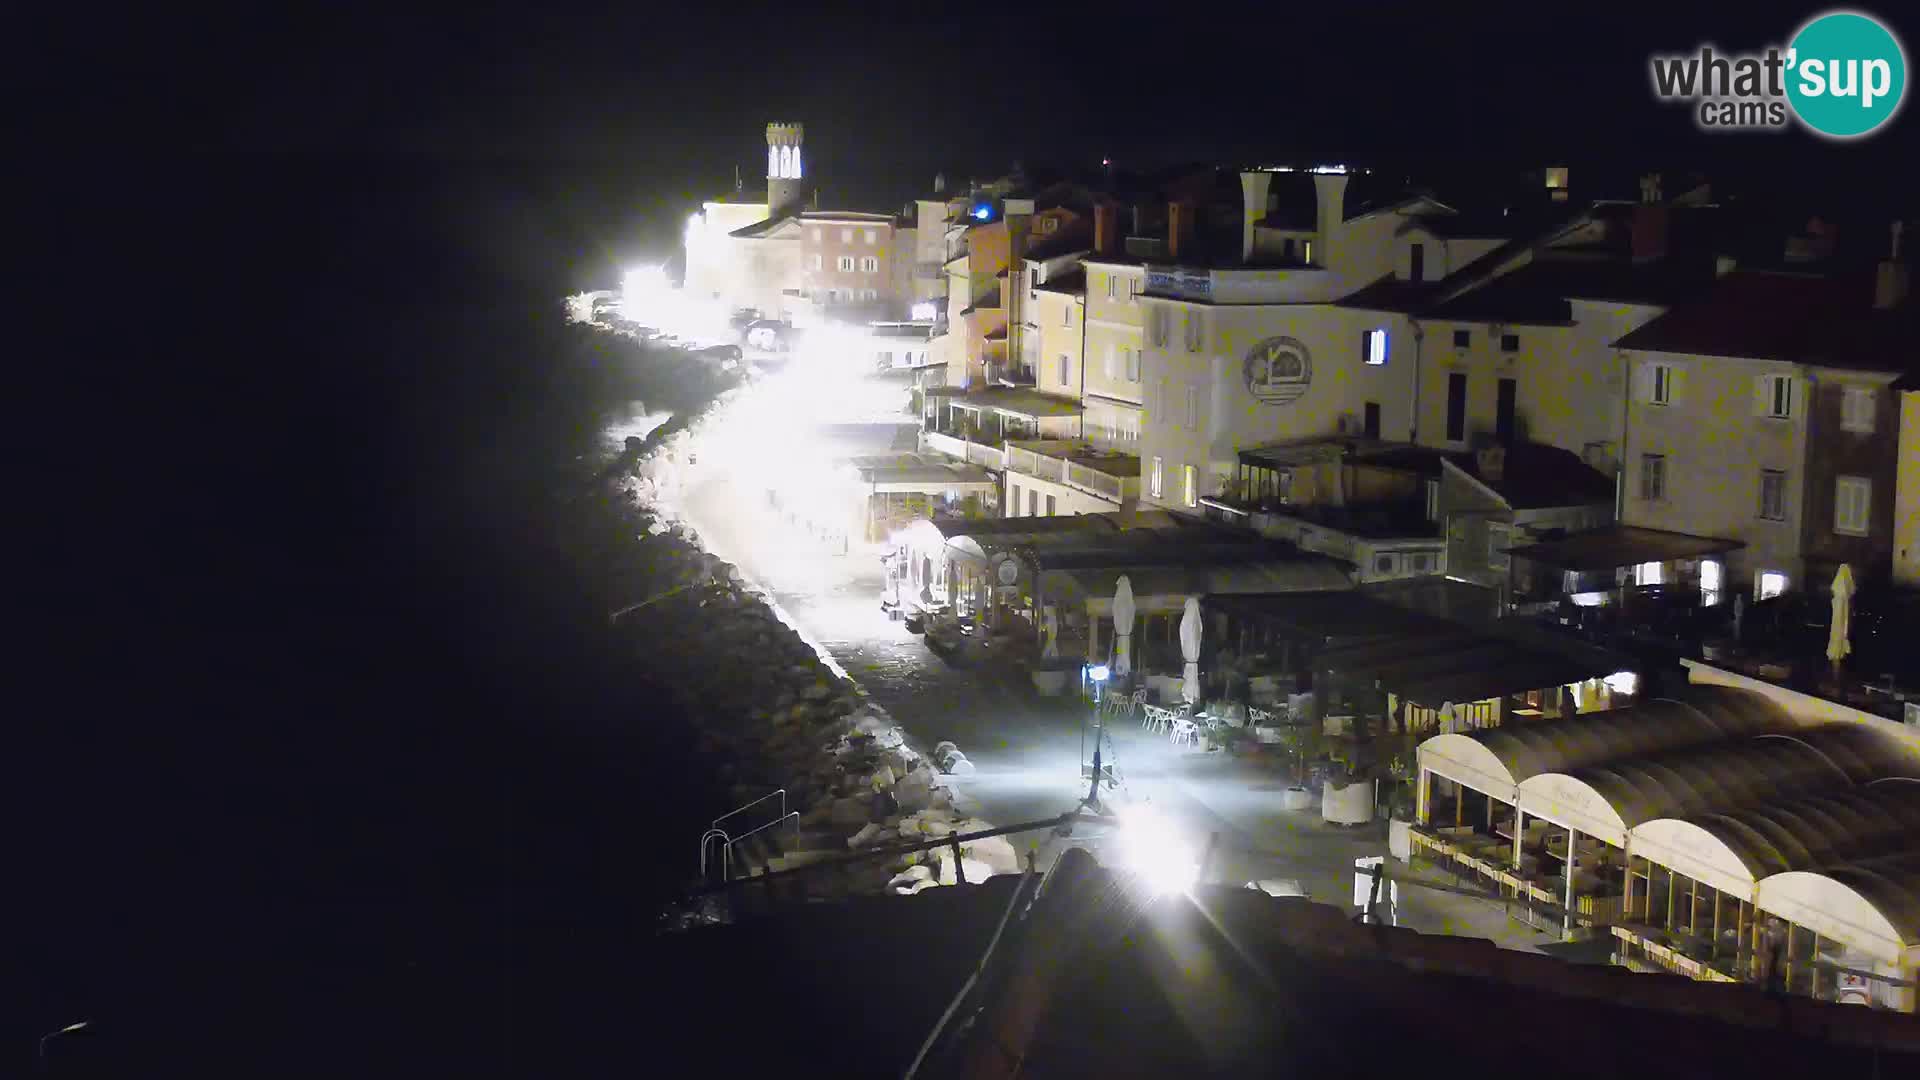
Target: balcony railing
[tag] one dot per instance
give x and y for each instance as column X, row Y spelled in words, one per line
column 1093, row 480
column 993, row 457
column 940, row 442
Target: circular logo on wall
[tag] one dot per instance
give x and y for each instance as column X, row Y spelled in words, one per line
column 1278, row 370
column 1007, row 570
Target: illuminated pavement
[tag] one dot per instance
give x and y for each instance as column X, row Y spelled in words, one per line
column 1028, row 750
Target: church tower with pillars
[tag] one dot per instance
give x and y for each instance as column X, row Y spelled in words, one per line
column 786, row 183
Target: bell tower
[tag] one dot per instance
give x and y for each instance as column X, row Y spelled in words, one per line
column 786, row 185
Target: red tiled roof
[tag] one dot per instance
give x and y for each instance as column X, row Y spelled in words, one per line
column 1827, row 321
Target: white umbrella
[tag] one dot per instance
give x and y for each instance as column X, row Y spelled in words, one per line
column 1051, row 624
column 1190, row 650
column 1837, row 644
column 1122, row 627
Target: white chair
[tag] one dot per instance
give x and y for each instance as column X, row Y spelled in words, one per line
column 1185, row 732
column 1159, row 719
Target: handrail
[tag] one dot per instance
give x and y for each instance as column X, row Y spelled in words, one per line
column 793, row 817
column 726, row 852
column 782, row 792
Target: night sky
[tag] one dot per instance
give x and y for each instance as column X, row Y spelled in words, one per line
column 310, row 702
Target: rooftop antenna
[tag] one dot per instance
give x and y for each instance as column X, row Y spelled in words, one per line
column 737, row 184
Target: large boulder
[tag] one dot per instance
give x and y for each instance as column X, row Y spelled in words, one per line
column 958, row 765
column 867, row 836
column 976, row 870
column 915, row 791
column 850, row 812
column 995, row 851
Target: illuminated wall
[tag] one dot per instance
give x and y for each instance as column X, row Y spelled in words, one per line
column 1114, row 326
column 1906, row 504
column 1715, row 445
column 1203, row 407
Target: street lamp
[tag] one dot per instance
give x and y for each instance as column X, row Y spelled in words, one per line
column 1098, row 673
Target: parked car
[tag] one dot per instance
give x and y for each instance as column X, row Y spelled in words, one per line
column 1279, row 887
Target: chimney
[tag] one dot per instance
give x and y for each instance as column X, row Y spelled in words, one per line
column 1649, row 231
column 1330, row 201
column 939, row 183
column 1253, row 199
column 1491, row 463
column 1891, row 284
column 1180, row 229
column 1139, row 221
column 1106, row 229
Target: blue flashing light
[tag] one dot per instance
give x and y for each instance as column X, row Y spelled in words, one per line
column 982, row 212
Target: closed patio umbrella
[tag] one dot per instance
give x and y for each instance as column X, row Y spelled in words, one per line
column 1837, row 644
column 1051, row 622
column 1190, row 651
column 1122, row 627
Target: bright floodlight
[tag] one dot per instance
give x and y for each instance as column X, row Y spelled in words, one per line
column 1152, row 849
column 1098, row 673
column 924, row 311
column 1623, row 682
column 643, row 282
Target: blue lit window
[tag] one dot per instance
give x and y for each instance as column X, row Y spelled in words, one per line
column 1374, row 347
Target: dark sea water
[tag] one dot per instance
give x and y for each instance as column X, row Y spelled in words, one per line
column 330, row 767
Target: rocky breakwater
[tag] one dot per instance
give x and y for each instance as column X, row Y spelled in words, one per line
column 773, row 715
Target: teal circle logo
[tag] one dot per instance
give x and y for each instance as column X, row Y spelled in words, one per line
column 1846, row 74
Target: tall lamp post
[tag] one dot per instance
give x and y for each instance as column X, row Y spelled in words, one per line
column 1098, row 673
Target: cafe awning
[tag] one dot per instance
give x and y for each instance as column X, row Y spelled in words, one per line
column 1604, row 801
column 1873, row 906
column 1495, row 761
column 1161, row 589
column 1733, row 851
column 1338, row 615
column 1621, row 545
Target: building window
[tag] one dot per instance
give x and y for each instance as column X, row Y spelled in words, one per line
column 1712, row 574
column 1852, row 505
column 1108, row 367
column 1190, row 485
column 1661, row 385
column 1306, row 251
column 845, row 263
column 846, row 236
column 1047, row 225
column 1065, row 369
column 1052, row 508
column 1066, row 316
column 1653, row 477
column 1457, row 406
column 813, row 262
column 1110, row 289
column 1462, row 339
column 1769, row 584
column 1013, row 504
column 1373, row 346
column 1033, row 502
column 869, row 264
column 1416, row 262
column 1196, row 332
column 1509, row 342
column 1193, row 408
column 1133, row 365
column 1383, row 564
column 1773, row 494
column 1856, row 409
column 1417, row 562
column 1648, row 573
column 1370, row 423
column 1777, row 394
column 1153, row 479
column 1433, row 500
column 866, row 236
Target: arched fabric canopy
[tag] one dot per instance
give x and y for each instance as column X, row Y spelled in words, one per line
column 1605, row 801
column 1873, row 906
column 1732, row 852
column 1496, row 761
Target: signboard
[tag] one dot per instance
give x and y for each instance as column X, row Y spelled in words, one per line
column 1174, row 281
